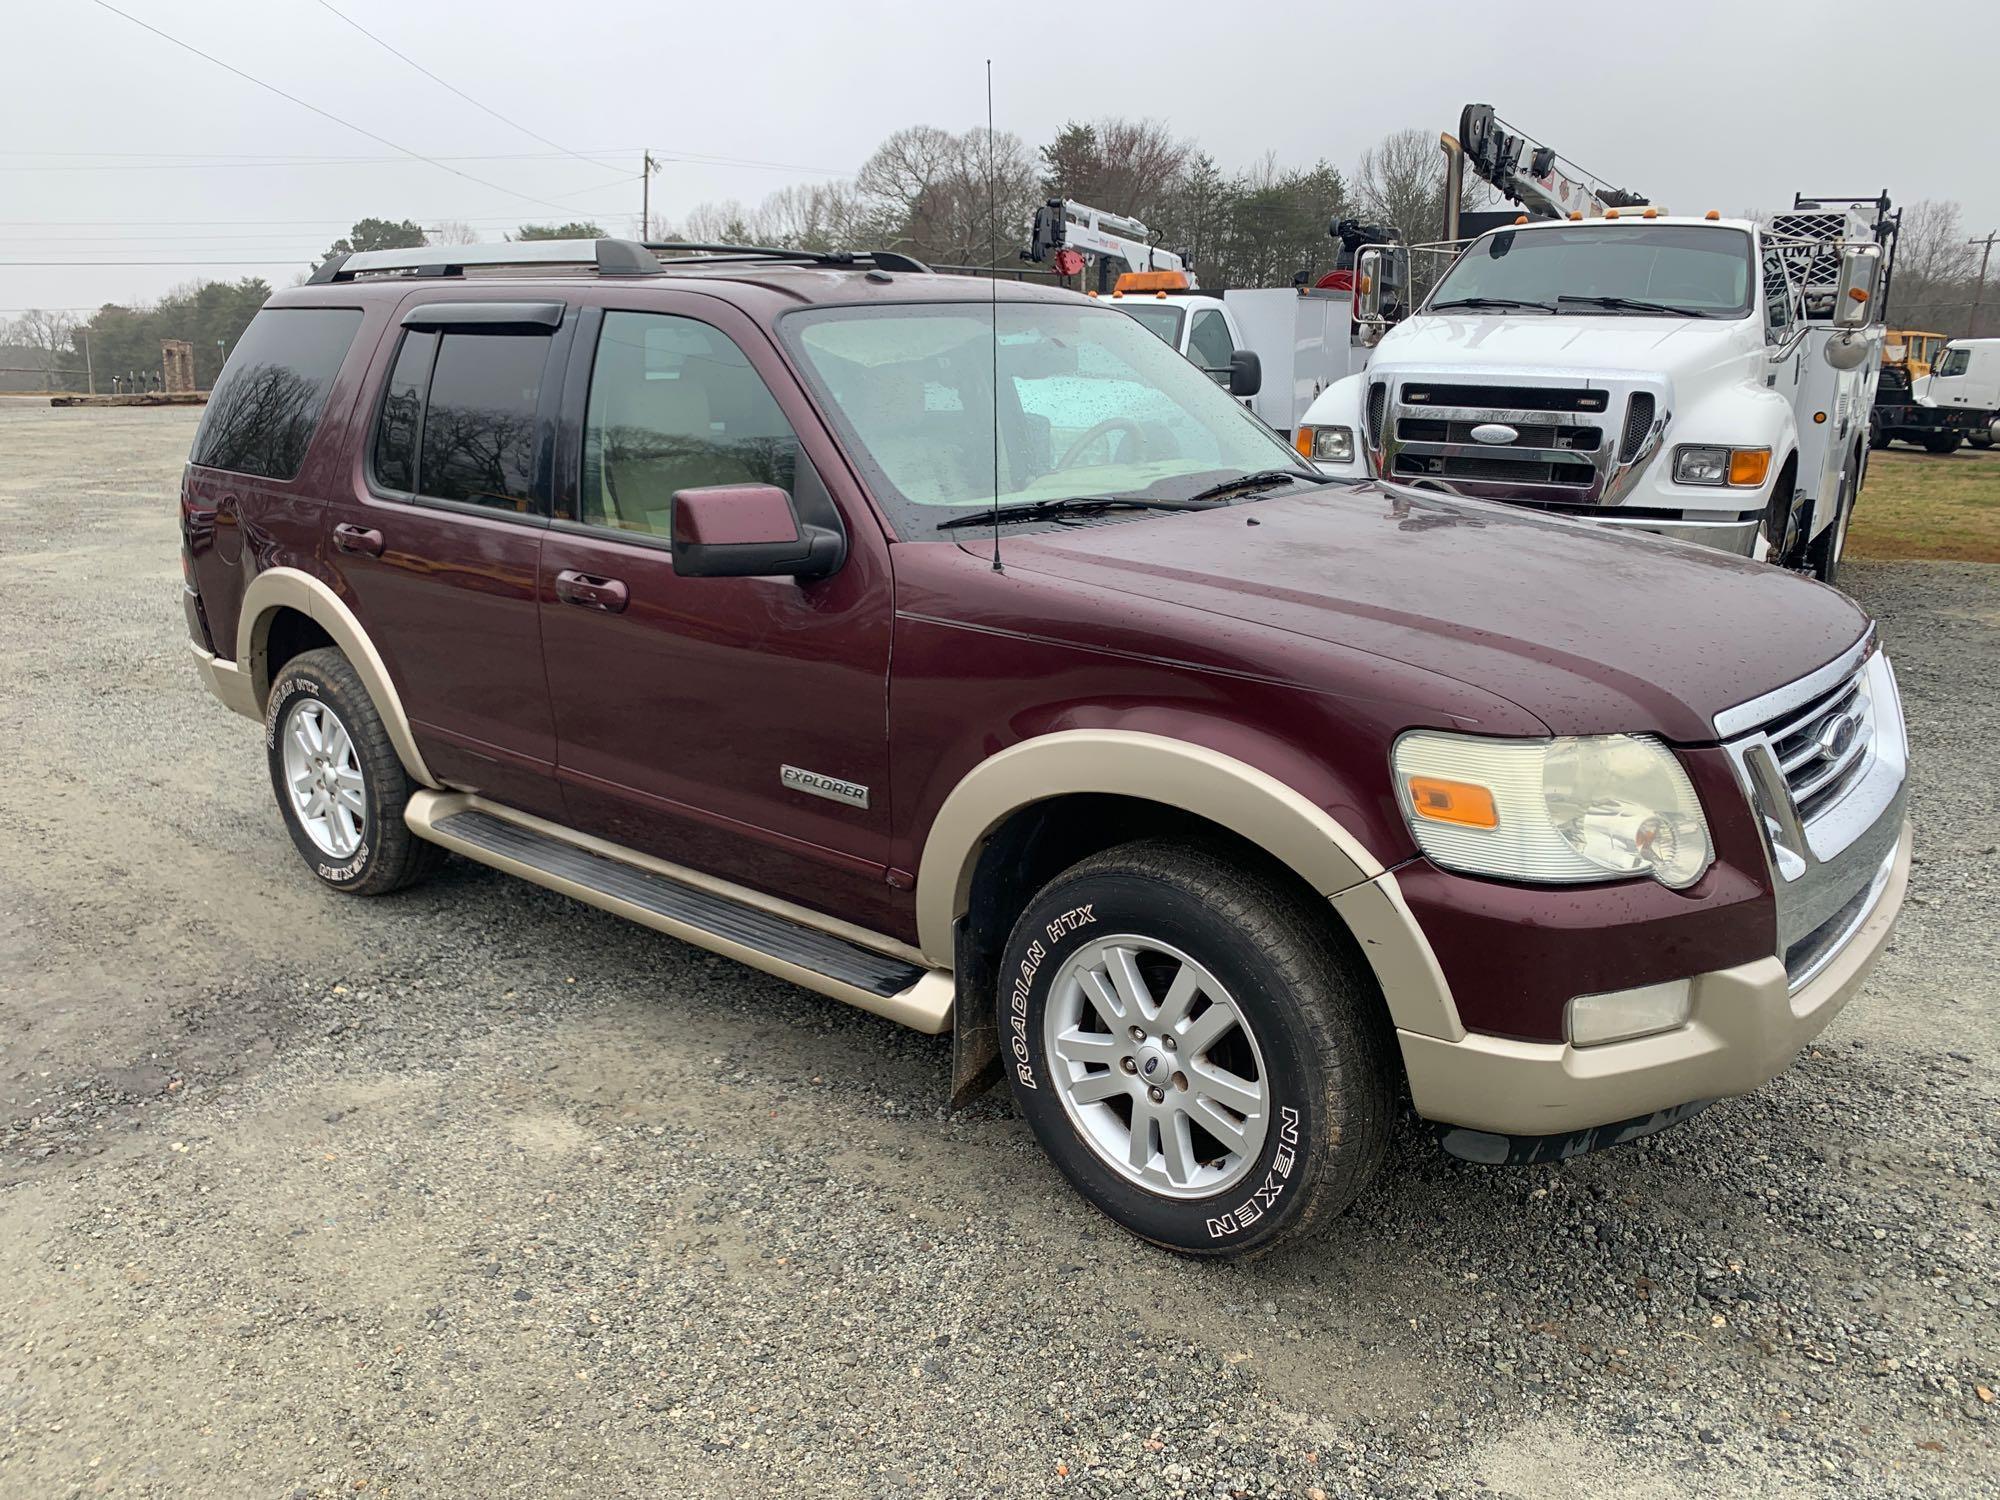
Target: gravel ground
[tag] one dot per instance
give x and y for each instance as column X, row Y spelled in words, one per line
column 476, row 1191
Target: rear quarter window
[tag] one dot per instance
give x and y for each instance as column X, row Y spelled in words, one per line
column 269, row 398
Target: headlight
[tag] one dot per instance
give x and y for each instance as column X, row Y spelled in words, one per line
column 1332, row 445
column 1743, row 468
column 1561, row 810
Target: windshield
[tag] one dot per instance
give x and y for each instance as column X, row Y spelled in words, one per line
column 1158, row 318
column 1678, row 268
column 1089, row 404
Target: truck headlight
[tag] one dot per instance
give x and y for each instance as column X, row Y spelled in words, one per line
column 1559, row 811
column 1743, row 468
column 1329, row 445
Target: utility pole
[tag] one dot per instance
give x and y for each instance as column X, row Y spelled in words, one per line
column 1979, row 288
column 647, row 167
column 89, row 373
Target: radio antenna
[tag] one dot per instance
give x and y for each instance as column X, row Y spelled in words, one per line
column 993, row 302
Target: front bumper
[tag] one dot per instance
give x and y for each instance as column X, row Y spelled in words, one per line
column 1746, row 1025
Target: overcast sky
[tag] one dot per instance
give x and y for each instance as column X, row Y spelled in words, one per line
column 1706, row 103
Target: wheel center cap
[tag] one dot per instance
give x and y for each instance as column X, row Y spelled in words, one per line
column 1154, row 1065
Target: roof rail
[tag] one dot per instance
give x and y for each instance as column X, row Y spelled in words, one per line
column 609, row 257
column 880, row 260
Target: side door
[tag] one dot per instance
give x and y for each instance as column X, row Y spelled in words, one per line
column 681, row 702
column 437, row 540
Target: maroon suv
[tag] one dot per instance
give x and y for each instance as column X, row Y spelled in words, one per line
column 963, row 653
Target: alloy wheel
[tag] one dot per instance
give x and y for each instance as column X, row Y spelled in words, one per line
column 1156, row 1066
column 324, row 779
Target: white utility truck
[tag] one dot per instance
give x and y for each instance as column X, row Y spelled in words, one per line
column 1966, row 378
column 1699, row 377
column 1299, row 339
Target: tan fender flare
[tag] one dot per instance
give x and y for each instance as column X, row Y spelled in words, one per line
column 1226, row 791
column 279, row 588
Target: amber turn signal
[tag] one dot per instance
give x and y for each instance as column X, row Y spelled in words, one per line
column 1749, row 465
column 1458, row 802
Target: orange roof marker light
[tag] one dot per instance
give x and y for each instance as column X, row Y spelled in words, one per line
column 1712, row 214
column 1651, row 213
column 1152, row 281
column 1574, row 216
column 1520, row 218
column 1610, row 213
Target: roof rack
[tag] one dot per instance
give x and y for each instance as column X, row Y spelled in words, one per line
column 879, row 260
column 609, row 257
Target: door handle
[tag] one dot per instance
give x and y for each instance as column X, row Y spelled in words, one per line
column 357, row 539
column 591, row 592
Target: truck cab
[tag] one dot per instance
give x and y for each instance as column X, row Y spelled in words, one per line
column 1702, row 378
column 1965, row 383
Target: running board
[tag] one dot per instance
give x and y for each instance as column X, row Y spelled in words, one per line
column 835, row 958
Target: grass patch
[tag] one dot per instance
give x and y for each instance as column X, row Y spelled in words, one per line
column 1931, row 506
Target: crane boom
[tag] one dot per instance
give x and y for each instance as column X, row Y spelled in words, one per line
column 1525, row 171
column 1062, row 224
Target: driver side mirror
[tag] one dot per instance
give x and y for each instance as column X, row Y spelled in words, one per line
column 749, row 531
column 1860, row 273
column 1246, row 372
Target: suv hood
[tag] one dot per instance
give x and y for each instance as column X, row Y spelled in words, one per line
column 1568, row 344
column 1589, row 630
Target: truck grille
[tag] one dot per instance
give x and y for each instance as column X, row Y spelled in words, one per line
column 1822, row 748
column 1563, row 445
column 1638, row 423
column 1513, row 397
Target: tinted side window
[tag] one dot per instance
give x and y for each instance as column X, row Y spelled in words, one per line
column 674, row 405
column 403, row 412
column 268, row 400
column 1777, row 297
column 1209, row 345
column 478, row 441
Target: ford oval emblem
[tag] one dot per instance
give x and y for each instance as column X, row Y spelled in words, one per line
column 1494, row 432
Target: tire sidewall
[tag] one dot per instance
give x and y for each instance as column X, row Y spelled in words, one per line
column 298, row 682
column 1262, row 1203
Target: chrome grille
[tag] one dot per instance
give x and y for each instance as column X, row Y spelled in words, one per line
column 1822, row 748
column 1377, row 394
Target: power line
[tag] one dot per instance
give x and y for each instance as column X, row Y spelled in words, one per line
column 454, row 88
column 289, row 260
column 324, row 114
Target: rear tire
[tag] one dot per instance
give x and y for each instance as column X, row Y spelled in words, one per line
column 339, row 782
column 1878, row 436
column 1194, row 1048
column 1941, row 442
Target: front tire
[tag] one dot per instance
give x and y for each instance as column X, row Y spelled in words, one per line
column 1941, row 442
column 1192, row 1047
column 339, row 783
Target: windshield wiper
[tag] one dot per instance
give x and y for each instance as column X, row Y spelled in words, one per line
column 1635, row 304
column 1074, row 505
column 1257, row 480
column 1489, row 302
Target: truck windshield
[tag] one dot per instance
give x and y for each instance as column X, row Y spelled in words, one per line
column 1087, row 404
column 1605, row 269
column 1160, row 318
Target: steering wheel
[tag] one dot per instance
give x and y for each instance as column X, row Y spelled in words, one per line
column 1108, row 425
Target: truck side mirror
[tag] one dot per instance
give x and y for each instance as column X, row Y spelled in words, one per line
column 749, row 531
column 1368, row 269
column 1860, row 274
column 1246, row 372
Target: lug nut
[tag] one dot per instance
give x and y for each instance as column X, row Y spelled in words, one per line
column 1128, row 1065
column 1155, row 1095
column 1136, row 1034
column 1168, row 1042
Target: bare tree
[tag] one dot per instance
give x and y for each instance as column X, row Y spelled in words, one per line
column 1400, row 182
column 452, row 232
column 52, row 335
column 1934, row 267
